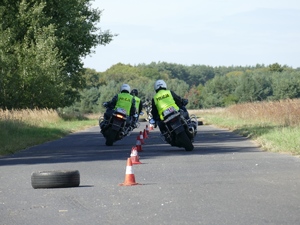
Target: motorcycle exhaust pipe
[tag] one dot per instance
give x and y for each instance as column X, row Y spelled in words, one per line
column 191, row 130
column 121, row 134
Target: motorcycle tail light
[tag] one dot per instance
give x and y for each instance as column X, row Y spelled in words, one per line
column 119, row 116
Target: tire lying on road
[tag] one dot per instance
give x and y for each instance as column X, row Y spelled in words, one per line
column 55, row 179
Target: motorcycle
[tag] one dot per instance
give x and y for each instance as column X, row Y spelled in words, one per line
column 147, row 107
column 179, row 132
column 116, row 127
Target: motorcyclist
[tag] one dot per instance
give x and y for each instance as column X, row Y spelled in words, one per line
column 147, row 107
column 138, row 104
column 164, row 99
column 122, row 100
column 146, row 103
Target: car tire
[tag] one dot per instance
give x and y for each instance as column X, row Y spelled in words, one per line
column 55, row 179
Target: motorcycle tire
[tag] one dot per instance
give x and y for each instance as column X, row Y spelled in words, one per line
column 111, row 137
column 185, row 141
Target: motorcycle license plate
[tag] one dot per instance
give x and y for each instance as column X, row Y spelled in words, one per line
column 169, row 111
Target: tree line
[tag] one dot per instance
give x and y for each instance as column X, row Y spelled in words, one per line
column 204, row 86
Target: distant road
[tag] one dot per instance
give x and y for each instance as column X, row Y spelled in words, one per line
column 225, row 180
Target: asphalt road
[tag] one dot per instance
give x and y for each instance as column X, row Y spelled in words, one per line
column 225, row 180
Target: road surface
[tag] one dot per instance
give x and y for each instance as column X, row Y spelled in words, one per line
column 225, row 180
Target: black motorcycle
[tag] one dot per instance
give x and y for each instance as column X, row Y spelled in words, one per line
column 148, row 108
column 116, row 127
column 178, row 131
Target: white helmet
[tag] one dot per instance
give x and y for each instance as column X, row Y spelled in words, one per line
column 159, row 84
column 125, row 87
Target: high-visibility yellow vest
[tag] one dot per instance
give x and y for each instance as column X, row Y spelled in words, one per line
column 163, row 100
column 137, row 103
column 124, row 102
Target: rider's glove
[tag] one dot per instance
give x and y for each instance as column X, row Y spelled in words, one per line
column 185, row 101
column 105, row 104
column 153, row 122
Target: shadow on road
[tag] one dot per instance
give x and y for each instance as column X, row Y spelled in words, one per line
column 90, row 145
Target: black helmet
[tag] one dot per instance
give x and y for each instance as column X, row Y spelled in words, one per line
column 134, row 92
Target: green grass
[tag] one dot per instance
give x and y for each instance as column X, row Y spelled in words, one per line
column 17, row 135
column 22, row 129
column 282, row 139
column 270, row 136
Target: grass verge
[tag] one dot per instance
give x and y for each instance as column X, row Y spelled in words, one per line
column 22, row 129
column 276, row 132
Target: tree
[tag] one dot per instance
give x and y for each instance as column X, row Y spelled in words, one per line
column 107, row 92
column 193, row 96
column 89, row 100
column 92, row 78
column 200, row 74
column 122, row 73
column 33, row 79
column 42, row 43
column 286, row 85
column 275, row 67
column 180, row 87
column 210, row 96
column 252, row 87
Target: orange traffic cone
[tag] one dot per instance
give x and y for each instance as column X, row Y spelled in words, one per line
column 129, row 175
column 141, row 137
column 134, row 156
column 138, row 145
column 147, row 129
column 145, row 135
column 151, row 127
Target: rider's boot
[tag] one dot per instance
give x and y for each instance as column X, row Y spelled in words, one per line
column 103, row 125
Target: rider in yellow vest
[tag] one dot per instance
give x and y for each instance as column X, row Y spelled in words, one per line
column 138, row 104
column 122, row 100
column 164, row 99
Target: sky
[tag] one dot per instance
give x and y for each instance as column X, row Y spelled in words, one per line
column 198, row 32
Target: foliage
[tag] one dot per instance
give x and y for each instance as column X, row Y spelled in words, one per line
column 276, row 67
column 40, row 67
column 89, row 100
column 193, row 95
column 223, row 86
column 41, row 46
column 92, row 78
column 285, row 85
column 200, row 74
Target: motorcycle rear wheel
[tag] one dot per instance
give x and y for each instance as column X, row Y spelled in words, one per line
column 185, row 141
column 110, row 137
